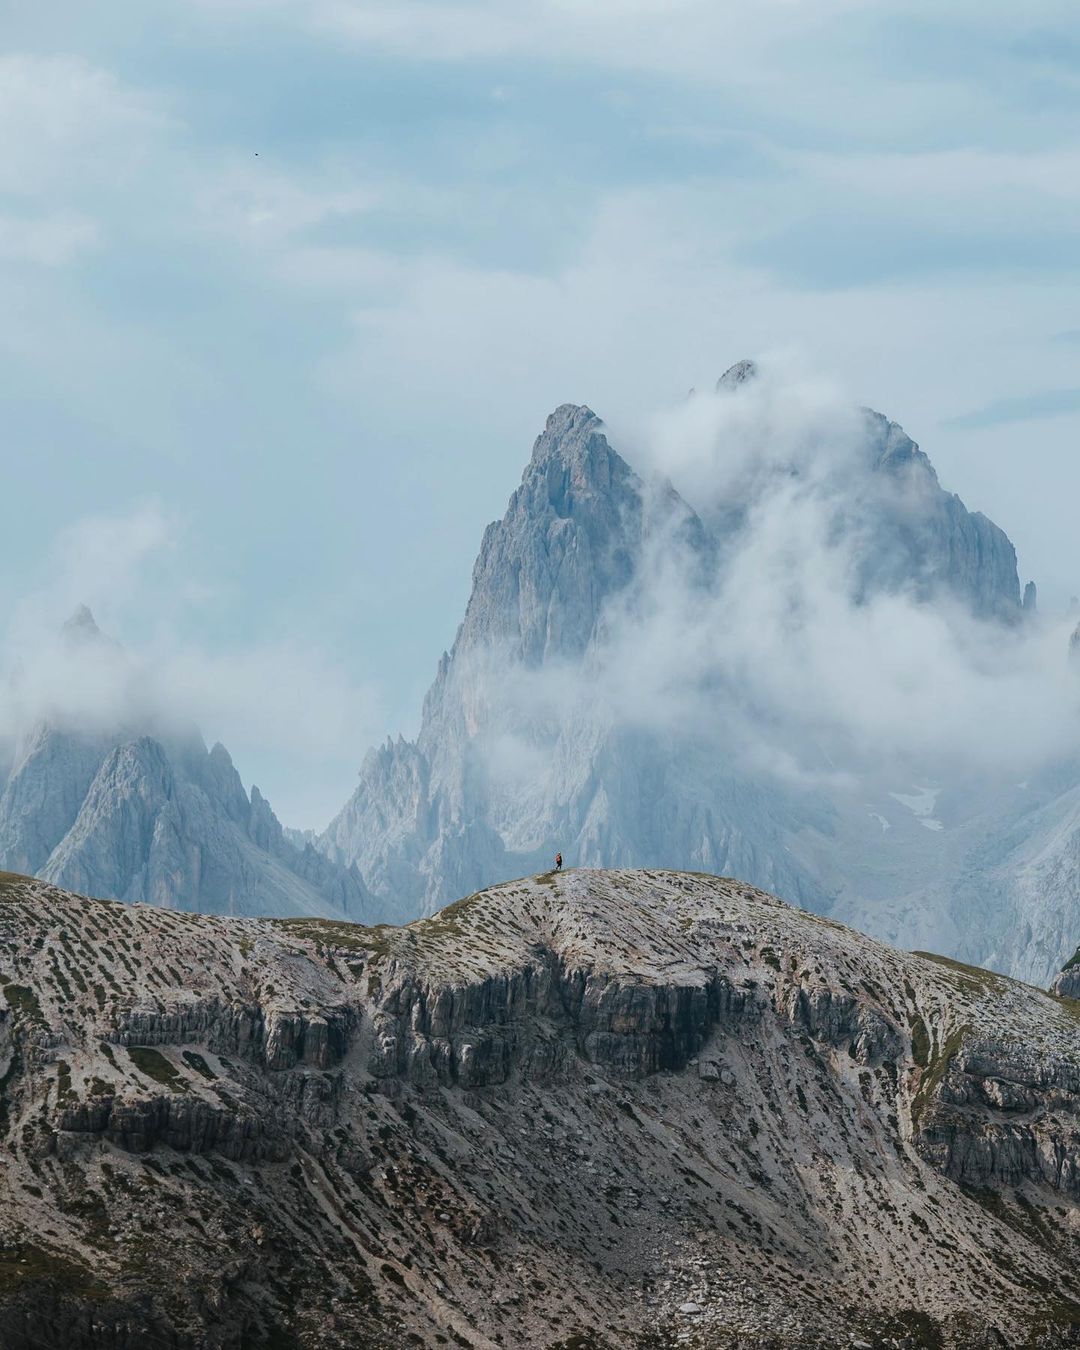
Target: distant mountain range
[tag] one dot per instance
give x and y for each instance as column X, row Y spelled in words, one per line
column 576, row 712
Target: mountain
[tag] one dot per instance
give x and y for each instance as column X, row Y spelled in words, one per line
column 546, row 727
column 998, row 883
column 137, row 815
column 595, row 1109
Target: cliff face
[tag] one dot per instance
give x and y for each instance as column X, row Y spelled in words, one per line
column 134, row 817
column 535, row 738
column 137, row 808
column 598, row 1108
column 930, row 539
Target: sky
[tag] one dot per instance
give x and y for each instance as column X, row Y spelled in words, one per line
column 288, row 287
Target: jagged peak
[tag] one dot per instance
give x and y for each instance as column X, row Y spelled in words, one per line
column 220, row 755
column 82, row 620
column 740, row 373
column 569, row 423
column 81, row 628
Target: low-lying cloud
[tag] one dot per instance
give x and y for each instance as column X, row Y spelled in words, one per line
column 793, row 657
column 282, row 705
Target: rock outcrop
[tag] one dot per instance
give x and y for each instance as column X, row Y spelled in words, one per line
column 597, row 1108
column 1066, row 983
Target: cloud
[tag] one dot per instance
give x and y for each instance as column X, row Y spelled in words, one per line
column 49, row 241
column 279, row 701
column 65, row 122
column 805, row 655
column 687, row 37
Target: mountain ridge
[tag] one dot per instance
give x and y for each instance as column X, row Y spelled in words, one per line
column 633, row 1108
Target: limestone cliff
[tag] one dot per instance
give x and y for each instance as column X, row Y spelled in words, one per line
column 606, row 1109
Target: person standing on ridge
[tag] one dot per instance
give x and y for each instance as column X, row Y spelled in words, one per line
column 558, row 862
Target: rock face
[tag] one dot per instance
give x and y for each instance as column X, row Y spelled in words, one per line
column 509, row 767
column 594, row 1108
column 157, row 817
column 1066, row 983
column 136, row 819
column 930, row 540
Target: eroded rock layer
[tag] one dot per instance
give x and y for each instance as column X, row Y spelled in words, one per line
column 598, row 1109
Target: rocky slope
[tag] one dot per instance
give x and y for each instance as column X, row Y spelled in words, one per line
column 598, row 1109
column 133, row 812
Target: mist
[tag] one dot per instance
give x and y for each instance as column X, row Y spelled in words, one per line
column 773, row 648
column 786, row 654
column 172, row 657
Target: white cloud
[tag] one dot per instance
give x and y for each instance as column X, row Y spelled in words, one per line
column 785, row 661
column 679, row 36
column 277, row 701
column 264, row 204
column 49, row 241
column 65, row 122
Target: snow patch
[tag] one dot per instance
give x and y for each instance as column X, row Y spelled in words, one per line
column 921, row 804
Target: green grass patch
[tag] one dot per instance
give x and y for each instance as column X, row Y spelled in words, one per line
column 64, row 1093
column 383, row 939
column 355, row 937
column 973, row 979
column 23, row 1265
column 152, row 1064
column 447, row 922
column 936, row 1068
column 920, row 1042
column 199, row 1064
column 10, row 882
column 23, row 1002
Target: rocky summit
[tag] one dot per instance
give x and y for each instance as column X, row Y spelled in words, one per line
column 546, row 726
column 599, row 1109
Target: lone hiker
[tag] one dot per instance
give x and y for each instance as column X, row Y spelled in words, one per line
column 558, row 862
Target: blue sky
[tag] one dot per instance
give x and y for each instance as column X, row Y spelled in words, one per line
column 289, row 286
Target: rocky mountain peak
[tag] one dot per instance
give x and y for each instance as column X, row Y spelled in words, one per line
column 564, row 427
column 562, row 546
column 81, row 630
column 571, row 458
column 740, row 373
column 81, row 621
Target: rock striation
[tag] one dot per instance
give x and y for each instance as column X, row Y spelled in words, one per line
column 629, row 1109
